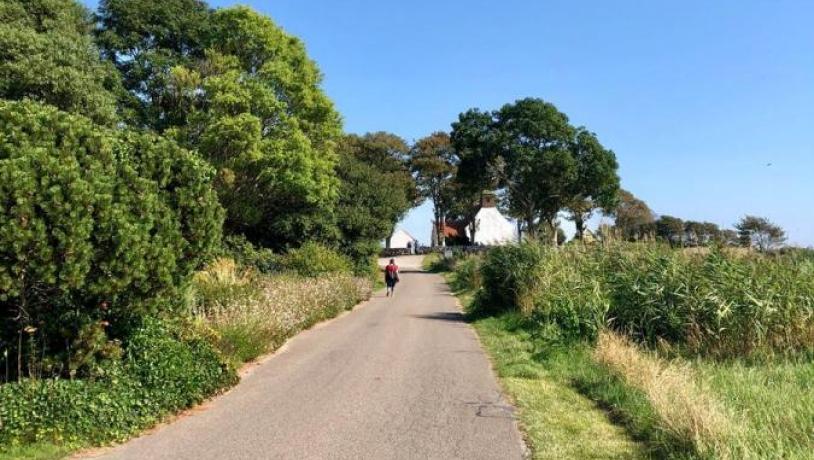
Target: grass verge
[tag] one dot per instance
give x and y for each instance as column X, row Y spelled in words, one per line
column 559, row 421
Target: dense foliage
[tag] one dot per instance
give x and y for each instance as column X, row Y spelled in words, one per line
column 376, row 191
column 540, row 163
column 720, row 304
column 166, row 367
column 96, row 226
column 232, row 85
column 434, row 162
column 47, row 54
column 313, row 259
column 127, row 147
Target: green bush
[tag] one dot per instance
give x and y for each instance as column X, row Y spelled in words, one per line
column 313, row 259
column 510, row 274
column 363, row 255
column 467, row 273
column 165, row 368
column 97, row 227
column 242, row 251
column 718, row 304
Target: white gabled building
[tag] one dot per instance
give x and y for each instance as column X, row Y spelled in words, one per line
column 400, row 240
column 491, row 228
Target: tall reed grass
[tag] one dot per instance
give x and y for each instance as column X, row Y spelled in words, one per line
column 716, row 304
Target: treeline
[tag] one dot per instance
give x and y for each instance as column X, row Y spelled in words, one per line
column 635, row 221
column 542, row 169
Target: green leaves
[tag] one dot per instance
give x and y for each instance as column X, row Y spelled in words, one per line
column 92, row 215
column 376, row 190
column 47, row 54
column 542, row 164
column 236, row 88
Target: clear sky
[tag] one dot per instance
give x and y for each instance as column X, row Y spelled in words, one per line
column 709, row 106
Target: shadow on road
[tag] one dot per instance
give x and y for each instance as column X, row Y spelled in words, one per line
column 451, row 316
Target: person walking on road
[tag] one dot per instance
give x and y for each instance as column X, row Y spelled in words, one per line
column 391, row 277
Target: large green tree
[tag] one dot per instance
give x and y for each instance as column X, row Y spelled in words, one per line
column 376, row 191
column 434, row 163
column 245, row 95
column 540, row 163
column 479, row 168
column 670, row 229
column 147, row 41
column 597, row 182
column 533, row 138
column 47, row 54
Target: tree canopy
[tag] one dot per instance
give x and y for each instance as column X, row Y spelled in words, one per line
column 760, row 232
column 541, row 164
column 434, row 163
column 633, row 218
column 597, row 181
column 233, row 86
column 47, row 54
column 376, row 191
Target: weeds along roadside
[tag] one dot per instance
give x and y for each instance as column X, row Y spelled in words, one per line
column 568, row 299
column 237, row 312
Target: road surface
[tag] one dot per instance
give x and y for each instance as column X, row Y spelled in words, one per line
column 397, row 378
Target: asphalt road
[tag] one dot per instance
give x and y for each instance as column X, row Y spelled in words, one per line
column 399, row 377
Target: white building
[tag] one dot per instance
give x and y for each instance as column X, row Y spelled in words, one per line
column 491, row 228
column 401, row 239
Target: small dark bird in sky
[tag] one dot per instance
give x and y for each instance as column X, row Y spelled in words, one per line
column 768, row 164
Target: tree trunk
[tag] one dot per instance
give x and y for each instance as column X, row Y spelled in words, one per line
column 579, row 222
column 442, row 229
column 531, row 231
column 552, row 226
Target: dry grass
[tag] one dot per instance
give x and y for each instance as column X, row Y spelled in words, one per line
column 686, row 410
column 254, row 313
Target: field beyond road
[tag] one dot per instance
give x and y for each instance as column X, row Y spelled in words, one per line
column 396, row 378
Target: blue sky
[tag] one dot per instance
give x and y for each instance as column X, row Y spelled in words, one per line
column 696, row 98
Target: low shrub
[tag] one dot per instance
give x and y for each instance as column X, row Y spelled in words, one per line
column 98, row 227
column 467, row 275
column 166, row 367
column 510, row 275
column 313, row 259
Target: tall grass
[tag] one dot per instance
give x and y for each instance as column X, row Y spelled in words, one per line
column 702, row 354
column 253, row 313
column 685, row 409
column 717, row 304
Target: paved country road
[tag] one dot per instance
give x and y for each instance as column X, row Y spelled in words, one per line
column 397, row 378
